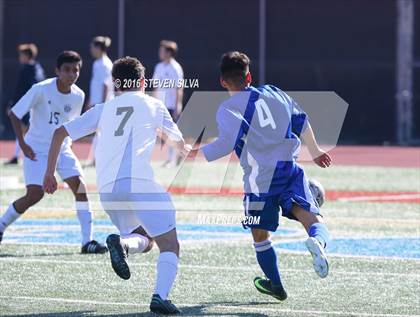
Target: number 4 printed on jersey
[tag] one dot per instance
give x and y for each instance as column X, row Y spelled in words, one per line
column 264, row 115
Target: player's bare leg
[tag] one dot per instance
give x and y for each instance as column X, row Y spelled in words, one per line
column 33, row 195
column 267, row 260
column 84, row 215
column 167, row 268
column 318, row 238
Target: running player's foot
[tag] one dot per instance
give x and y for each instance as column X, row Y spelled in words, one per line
column 119, row 254
column 1, row 236
column 319, row 258
column 93, row 247
column 164, row 307
column 264, row 286
column 12, row 161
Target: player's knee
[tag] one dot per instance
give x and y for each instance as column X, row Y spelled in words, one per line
column 81, row 188
column 260, row 235
column 169, row 245
column 175, row 247
column 172, row 246
column 80, row 197
column 33, row 196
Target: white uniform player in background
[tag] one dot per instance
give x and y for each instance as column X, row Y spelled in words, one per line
column 52, row 103
column 101, row 86
column 169, row 74
column 127, row 128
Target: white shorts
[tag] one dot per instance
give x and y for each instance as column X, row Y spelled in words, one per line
column 134, row 203
column 67, row 166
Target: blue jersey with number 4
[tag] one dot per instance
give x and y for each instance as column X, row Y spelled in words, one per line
column 262, row 125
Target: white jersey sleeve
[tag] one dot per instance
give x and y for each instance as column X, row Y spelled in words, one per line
column 179, row 73
column 104, row 73
column 167, row 125
column 29, row 100
column 85, row 124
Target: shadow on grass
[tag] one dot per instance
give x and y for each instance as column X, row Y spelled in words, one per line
column 36, row 255
column 191, row 311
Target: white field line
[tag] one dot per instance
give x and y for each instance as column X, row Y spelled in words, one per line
column 250, row 268
column 199, row 214
column 217, row 306
column 351, row 256
column 240, row 238
column 387, row 197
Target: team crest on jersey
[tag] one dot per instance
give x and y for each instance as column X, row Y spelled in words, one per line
column 67, row 108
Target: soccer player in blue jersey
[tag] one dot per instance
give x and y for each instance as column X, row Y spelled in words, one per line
column 264, row 125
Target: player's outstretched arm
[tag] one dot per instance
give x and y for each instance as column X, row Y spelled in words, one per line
column 320, row 157
column 50, row 183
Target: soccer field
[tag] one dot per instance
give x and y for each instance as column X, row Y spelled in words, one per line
column 373, row 214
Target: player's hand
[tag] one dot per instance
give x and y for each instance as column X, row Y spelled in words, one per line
column 27, row 150
column 50, row 183
column 186, row 150
column 322, row 159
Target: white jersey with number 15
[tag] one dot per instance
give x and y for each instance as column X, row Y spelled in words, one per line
column 49, row 110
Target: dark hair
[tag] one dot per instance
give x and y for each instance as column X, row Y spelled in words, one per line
column 68, row 57
column 234, row 66
column 102, row 42
column 127, row 68
column 170, row 46
column 29, row 49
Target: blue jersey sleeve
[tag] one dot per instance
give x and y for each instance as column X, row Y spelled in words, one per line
column 299, row 119
column 228, row 123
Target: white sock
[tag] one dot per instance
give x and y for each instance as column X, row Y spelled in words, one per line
column 9, row 217
column 167, row 268
column 136, row 242
column 17, row 149
column 85, row 218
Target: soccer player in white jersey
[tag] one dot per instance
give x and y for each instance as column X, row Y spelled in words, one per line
column 168, row 74
column 127, row 127
column 101, row 87
column 51, row 103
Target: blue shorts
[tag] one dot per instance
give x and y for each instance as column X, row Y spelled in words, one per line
column 262, row 211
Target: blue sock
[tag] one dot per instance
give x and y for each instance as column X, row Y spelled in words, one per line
column 267, row 260
column 320, row 232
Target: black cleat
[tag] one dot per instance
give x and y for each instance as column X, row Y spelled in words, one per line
column 264, row 286
column 164, row 307
column 94, row 247
column 12, row 161
column 1, row 236
column 119, row 254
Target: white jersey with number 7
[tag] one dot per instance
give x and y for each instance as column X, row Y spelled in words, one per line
column 127, row 129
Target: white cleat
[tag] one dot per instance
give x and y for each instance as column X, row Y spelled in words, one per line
column 319, row 258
